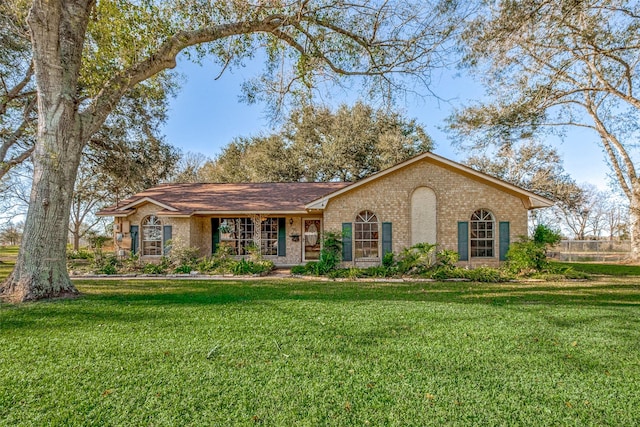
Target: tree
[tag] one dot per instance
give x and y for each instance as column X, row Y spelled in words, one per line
column 88, row 55
column 140, row 111
column 17, row 91
column 11, row 234
column 560, row 65
column 532, row 165
column 316, row 144
column 188, row 168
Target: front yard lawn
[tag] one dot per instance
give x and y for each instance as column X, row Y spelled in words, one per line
column 285, row 352
column 603, row 269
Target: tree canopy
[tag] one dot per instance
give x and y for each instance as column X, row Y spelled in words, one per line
column 316, row 144
column 554, row 65
column 88, row 55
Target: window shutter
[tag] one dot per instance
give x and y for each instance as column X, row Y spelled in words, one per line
column 282, row 237
column 167, row 231
column 134, row 239
column 463, row 241
column 215, row 234
column 503, row 230
column 347, row 242
column 386, row 238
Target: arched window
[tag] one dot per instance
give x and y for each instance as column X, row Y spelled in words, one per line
column 151, row 236
column 366, row 235
column 482, row 234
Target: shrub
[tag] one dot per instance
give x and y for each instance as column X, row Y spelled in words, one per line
column 546, row 236
column 153, row 268
column 417, row 259
column 107, row 269
column 530, row 255
column 388, row 260
column 330, row 256
column 106, row 264
column 184, row 256
column 299, row 270
column 486, row 274
column 447, row 258
column 243, row 267
column 526, row 257
column 182, row 269
column 222, row 261
column 79, row 254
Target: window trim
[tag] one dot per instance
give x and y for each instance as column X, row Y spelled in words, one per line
column 244, row 230
column 366, row 222
column 143, row 240
column 482, row 217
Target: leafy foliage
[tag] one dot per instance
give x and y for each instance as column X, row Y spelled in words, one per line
column 530, row 255
column 316, row 144
column 550, row 66
column 417, row 258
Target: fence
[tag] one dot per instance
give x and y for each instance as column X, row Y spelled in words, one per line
column 591, row 250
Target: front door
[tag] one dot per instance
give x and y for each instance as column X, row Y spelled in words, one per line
column 311, row 239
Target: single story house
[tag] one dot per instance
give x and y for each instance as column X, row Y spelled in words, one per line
column 427, row 198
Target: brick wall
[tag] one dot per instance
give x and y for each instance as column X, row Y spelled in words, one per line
column 181, row 227
column 457, row 197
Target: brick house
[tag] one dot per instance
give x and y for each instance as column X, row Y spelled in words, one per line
column 425, row 199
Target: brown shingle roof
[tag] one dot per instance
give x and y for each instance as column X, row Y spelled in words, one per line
column 186, row 199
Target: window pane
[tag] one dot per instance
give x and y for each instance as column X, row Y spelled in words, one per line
column 481, row 233
column 366, row 235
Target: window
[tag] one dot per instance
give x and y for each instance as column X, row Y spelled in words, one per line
column 366, row 235
column 238, row 234
column 269, row 240
column 482, row 234
column 151, row 236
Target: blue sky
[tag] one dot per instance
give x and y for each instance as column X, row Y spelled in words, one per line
column 207, row 114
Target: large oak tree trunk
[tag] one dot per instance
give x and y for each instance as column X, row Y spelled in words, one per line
column 41, row 270
column 57, row 35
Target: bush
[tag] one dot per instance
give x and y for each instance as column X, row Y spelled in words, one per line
column 330, row 257
column 487, row 274
column 417, row 259
column 106, row 264
column 79, row 254
column 447, row 258
column 526, row 257
column 182, row 269
column 181, row 256
column 388, row 260
column 244, row 267
column 299, row 270
column 530, row 255
column 153, row 268
column 546, row 236
column 222, row 261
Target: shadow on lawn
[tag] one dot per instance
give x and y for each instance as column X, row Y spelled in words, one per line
column 616, row 294
column 128, row 302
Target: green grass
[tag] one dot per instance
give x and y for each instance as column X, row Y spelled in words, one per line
column 328, row 353
column 8, row 255
column 603, row 269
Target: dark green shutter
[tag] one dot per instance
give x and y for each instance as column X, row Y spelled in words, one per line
column 386, row 238
column 503, row 231
column 282, row 237
column 167, row 231
column 215, row 234
column 347, row 245
column 134, row 239
column 463, row 241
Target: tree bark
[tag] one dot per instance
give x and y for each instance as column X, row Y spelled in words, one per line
column 57, row 35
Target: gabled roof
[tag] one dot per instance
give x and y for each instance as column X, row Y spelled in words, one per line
column 530, row 200
column 193, row 199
